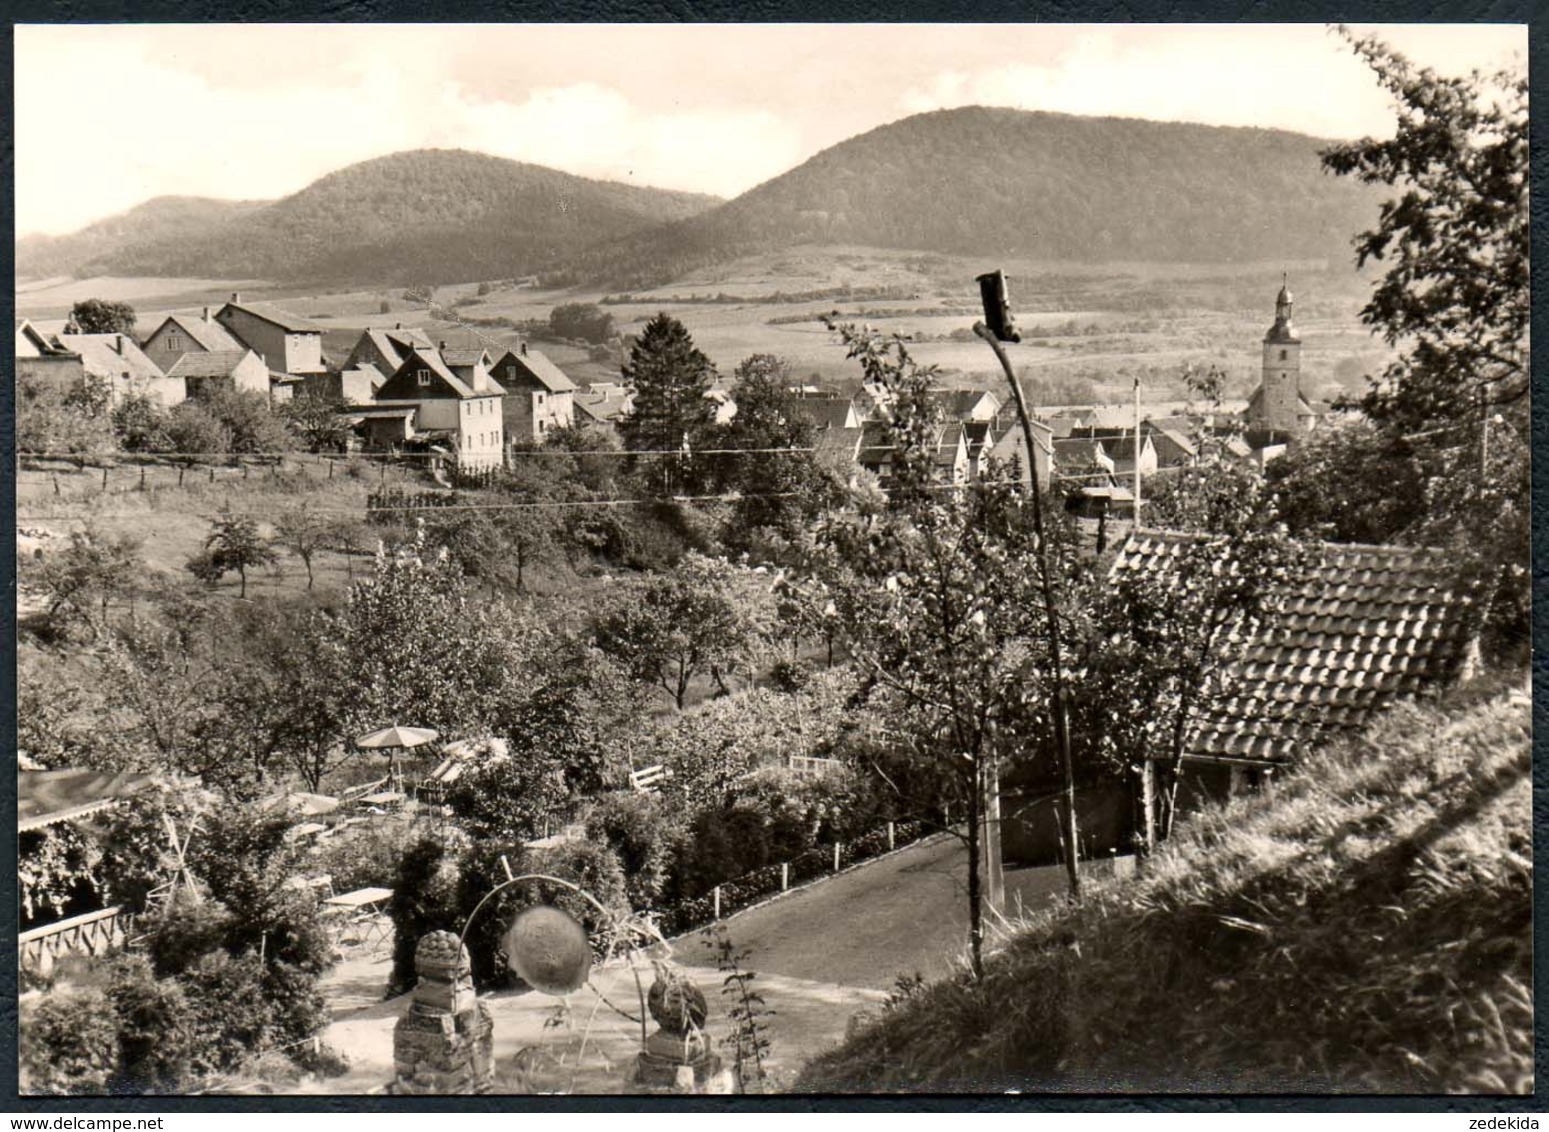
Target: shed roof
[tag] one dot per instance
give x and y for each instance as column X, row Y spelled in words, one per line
column 212, row 363
column 1347, row 634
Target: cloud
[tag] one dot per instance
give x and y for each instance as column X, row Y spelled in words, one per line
column 1293, row 77
column 103, row 124
column 595, row 131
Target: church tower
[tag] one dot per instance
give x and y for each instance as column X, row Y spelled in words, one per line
column 1278, row 404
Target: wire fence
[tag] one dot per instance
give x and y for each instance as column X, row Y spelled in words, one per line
column 753, row 887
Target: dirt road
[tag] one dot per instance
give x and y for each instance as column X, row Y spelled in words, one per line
column 905, row 914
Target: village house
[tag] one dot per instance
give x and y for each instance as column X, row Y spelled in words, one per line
column 1012, row 445
column 826, row 412
column 538, row 399
column 424, row 400
column 1120, row 450
column 41, row 358
column 123, row 369
column 967, row 404
column 240, row 370
column 875, row 452
column 385, row 349
column 181, row 334
column 286, row 343
column 602, row 404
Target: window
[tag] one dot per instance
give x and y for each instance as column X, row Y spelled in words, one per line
column 1282, row 355
column 424, row 376
column 540, row 398
column 511, row 372
column 540, row 427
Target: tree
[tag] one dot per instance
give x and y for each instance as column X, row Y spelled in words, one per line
column 934, row 592
column 81, row 580
column 671, row 378
column 305, row 531
column 102, row 316
column 253, row 424
column 701, row 619
column 234, row 543
column 779, row 482
column 1455, row 300
column 140, row 424
column 52, row 419
column 318, row 422
column 586, row 321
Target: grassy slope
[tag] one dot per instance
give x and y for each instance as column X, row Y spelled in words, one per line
column 1365, row 928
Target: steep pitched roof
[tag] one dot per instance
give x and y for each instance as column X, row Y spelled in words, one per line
column 959, row 403
column 538, row 367
column 290, row 323
column 29, row 337
column 427, row 358
column 211, row 363
column 845, row 442
column 206, row 335
column 109, row 355
column 823, row 412
column 1350, row 632
column 396, row 344
column 464, row 355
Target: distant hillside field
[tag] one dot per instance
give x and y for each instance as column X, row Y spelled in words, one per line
column 427, row 216
column 1365, row 927
column 995, row 182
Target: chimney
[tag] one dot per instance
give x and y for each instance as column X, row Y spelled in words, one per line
column 441, row 345
column 397, row 326
column 524, row 347
column 207, row 314
column 118, row 344
column 236, row 296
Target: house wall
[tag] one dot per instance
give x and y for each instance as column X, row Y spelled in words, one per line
column 480, row 432
column 1031, row 827
column 160, row 349
column 282, row 351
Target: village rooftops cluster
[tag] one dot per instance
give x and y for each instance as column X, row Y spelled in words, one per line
column 1353, row 630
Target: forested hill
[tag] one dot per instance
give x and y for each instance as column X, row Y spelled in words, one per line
column 421, row 216
column 157, row 219
column 979, row 181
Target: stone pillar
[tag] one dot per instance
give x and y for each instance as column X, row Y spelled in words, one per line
column 444, row 1043
column 677, row 1057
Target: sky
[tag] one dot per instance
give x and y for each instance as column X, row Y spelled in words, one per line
column 259, row 111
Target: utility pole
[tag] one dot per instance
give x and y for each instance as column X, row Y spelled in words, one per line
column 1137, row 453
column 992, row 288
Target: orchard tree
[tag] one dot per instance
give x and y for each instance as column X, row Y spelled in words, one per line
column 703, row 618
column 1455, row 301
column 101, row 316
column 305, row 532
column 671, row 378
column 233, row 544
column 81, row 580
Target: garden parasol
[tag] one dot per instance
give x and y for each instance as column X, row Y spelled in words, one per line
column 393, row 738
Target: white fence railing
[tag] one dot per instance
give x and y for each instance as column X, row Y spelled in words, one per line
column 95, row 933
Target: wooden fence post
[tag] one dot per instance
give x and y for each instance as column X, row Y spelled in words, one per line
column 181, row 469
column 212, row 473
column 717, row 915
column 142, row 477
column 890, row 844
column 785, row 875
column 836, row 856
column 104, row 477
column 56, row 482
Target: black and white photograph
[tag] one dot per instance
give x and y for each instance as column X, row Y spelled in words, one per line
column 701, row 560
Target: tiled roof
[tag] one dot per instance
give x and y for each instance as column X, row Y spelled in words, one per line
column 370, row 372
column 960, row 402
column 604, row 408
column 394, row 345
column 290, row 323
column 823, row 412
column 1355, row 629
column 430, row 359
column 464, row 355
column 208, row 363
column 207, row 335
column 877, row 443
column 841, row 441
column 108, row 355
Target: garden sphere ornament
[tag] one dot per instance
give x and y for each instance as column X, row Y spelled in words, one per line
column 548, row 949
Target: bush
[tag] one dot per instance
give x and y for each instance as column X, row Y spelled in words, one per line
column 790, row 676
column 69, row 1044
column 593, row 867
column 230, row 1015
column 425, row 899
column 154, row 1032
column 140, row 424
column 193, row 429
column 641, row 835
column 183, row 932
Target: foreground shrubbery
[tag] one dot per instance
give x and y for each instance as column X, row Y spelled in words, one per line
column 1365, row 926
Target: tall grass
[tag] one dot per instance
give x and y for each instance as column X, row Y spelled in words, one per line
column 1366, row 927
